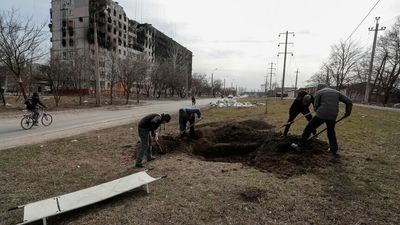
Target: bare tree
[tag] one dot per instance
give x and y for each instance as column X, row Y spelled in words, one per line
column 78, row 71
column 200, row 84
column 140, row 68
column 389, row 52
column 20, row 42
column 55, row 72
column 126, row 75
column 217, row 86
column 343, row 60
column 113, row 73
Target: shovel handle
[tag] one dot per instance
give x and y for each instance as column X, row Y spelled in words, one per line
column 324, row 129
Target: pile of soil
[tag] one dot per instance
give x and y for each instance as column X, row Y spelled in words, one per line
column 253, row 143
column 277, row 156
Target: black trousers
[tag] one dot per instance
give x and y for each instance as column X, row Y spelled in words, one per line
column 313, row 125
column 293, row 112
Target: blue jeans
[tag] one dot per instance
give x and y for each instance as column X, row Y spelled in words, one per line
column 145, row 145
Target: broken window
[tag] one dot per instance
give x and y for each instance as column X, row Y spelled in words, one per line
column 80, row 19
column 64, row 43
column 71, row 42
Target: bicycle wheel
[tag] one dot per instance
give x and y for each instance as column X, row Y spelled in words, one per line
column 26, row 122
column 47, row 119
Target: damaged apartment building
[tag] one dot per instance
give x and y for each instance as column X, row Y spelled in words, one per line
column 73, row 30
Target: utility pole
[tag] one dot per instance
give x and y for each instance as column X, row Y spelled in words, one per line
column 284, row 58
column 270, row 74
column 224, row 88
column 212, row 82
column 295, row 84
column 368, row 86
column 327, row 81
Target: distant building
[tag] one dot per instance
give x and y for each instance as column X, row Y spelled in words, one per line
column 73, row 24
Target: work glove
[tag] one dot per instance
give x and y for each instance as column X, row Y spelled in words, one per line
column 156, row 137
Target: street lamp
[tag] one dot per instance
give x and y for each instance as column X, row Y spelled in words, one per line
column 96, row 46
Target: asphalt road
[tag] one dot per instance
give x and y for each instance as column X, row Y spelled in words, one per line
column 68, row 124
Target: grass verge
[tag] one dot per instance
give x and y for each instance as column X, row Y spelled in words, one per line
column 361, row 189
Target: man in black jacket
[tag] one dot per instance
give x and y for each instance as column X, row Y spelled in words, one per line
column 326, row 106
column 299, row 105
column 33, row 104
column 147, row 126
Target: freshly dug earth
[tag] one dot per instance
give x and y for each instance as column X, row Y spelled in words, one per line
column 253, row 143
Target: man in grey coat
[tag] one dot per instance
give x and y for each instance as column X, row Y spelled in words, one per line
column 326, row 105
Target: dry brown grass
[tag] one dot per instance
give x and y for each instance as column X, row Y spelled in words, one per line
column 361, row 189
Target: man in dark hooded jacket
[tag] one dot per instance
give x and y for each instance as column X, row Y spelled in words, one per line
column 300, row 105
column 32, row 105
column 187, row 115
column 147, row 127
column 326, row 106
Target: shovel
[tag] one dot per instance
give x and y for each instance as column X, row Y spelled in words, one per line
column 291, row 122
column 323, row 130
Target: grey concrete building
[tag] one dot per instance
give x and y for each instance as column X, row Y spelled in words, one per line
column 73, row 31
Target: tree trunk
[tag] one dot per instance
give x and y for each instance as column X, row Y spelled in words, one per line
column 137, row 92
column 386, row 97
column 127, row 97
column 21, row 86
column 111, row 93
column 2, row 96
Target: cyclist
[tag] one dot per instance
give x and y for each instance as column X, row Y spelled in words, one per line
column 32, row 105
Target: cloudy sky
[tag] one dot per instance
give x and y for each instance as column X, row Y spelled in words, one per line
column 240, row 37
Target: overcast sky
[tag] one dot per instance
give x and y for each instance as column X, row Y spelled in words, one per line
column 240, row 37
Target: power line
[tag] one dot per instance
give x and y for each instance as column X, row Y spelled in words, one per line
column 362, row 20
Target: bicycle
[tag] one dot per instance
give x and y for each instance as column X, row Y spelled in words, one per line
column 27, row 121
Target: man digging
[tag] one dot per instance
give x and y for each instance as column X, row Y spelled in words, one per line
column 300, row 105
column 147, row 126
column 326, row 106
column 187, row 115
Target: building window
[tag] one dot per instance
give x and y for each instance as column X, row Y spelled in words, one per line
column 64, row 55
column 119, row 50
column 64, row 43
column 115, row 30
column 64, row 34
column 115, row 13
column 120, row 17
column 81, row 19
column 71, row 42
column 124, row 52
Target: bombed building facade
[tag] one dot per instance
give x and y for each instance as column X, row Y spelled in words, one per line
column 73, row 25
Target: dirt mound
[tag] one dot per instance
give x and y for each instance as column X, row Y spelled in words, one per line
column 241, row 132
column 253, row 143
column 276, row 156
